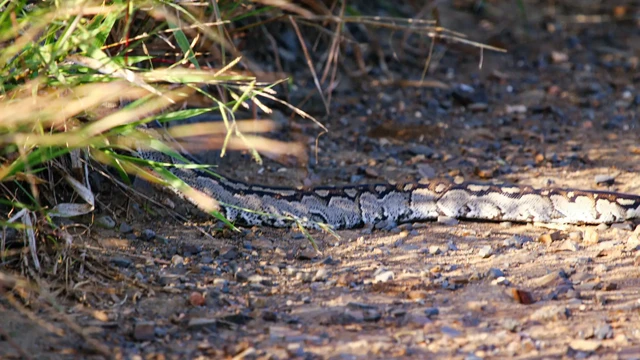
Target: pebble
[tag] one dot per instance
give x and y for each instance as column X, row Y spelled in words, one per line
column 600, row 268
column 591, row 236
column 449, row 221
column 421, row 150
column 545, row 280
column 290, row 270
column 569, row 245
column 551, row 313
column 147, row 235
column 304, row 276
column 575, row 235
column 434, row 250
column 486, row 251
column 321, row 275
column 383, row 276
column 585, row 345
column 622, row 226
column 371, row 315
column 500, row 281
column 257, row 279
column 242, row 276
column 604, row 331
column 177, row 260
column 431, row 312
column 517, row 241
column 121, row 262
column 329, row 260
column 295, row 350
column 230, row 254
column 219, row 282
column 604, row 179
column 272, row 270
column 510, row 324
column 472, row 357
column 144, row 331
column 494, row 273
column 105, row 221
column 125, row 228
column 199, row 323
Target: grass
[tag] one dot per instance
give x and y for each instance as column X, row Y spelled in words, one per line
column 61, row 64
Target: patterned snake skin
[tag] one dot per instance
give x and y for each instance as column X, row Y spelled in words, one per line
column 361, row 205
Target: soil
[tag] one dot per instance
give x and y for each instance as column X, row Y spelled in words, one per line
column 560, row 108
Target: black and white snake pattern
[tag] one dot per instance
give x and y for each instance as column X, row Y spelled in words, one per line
column 354, row 206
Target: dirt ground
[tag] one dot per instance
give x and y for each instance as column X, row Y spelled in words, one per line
column 560, row 108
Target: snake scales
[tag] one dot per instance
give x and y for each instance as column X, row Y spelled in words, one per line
column 365, row 205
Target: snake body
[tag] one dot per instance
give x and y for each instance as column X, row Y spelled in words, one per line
column 355, row 206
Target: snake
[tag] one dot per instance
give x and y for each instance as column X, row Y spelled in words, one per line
column 362, row 205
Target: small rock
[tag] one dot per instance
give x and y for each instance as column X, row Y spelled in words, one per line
column 431, row 312
column 417, row 294
column 510, row 324
column 272, row 270
column 604, row 180
column 575, row 235
column 125, row 228
column 569, row 245
column 177, row 260
column 304, row 276
column 371, row 315
column 257, row 279
column 421, row 150
column 500, row 281
column 551, row 313
column 585, row 345
column 290, row 270
column 434, row 250
column 307, row 254
column 548, row 238
column 196, row 299
column 516, row 109
column 199, row 323
column 295, row 350
column 383, row 276
column 121, row 262
column 147, row 235
column 219, row 282
column 622, row 226
column 494, row 273
column 604, row 331
column 517, row 241
column 449, row 221
column 105, row 221
column 591, row 236
column 486, row 251
column 144, row 331
column 600, row 268
column 321, row 275
column 242, row 276
column 230, row 254
column 329, row 260
column 371, row 172
column 545, row 280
